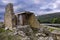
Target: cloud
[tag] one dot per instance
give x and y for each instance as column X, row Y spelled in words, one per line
column 34, row 5
column 20, row 7
column 36, row 1
column 53, row 6
column 8, row 1
column 17, row 7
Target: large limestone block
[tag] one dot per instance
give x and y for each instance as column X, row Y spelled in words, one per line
column 33, row 21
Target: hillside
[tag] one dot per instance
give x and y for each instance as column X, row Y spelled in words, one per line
column 49, row 18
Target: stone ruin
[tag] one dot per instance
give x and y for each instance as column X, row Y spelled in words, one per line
column 19, row 19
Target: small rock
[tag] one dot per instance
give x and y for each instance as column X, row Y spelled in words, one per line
column 21, row 33
column 40, row 34
column 41, row 38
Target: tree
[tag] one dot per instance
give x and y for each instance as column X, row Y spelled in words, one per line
column 54, row 20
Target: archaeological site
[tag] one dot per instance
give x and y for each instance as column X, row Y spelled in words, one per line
column 25, row 26
column 19, row 19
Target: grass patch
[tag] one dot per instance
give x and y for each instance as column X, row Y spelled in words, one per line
column 2, row 30
column 50, row 29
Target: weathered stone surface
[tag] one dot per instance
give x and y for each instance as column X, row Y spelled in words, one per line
column 57, row 32
column 28, row 18
column 33, row 21
column 8, row 20
column 20, row 20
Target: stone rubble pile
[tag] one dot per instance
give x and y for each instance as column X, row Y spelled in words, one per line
column 28, row 33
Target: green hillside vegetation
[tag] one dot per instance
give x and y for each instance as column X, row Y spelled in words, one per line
column 49, row 18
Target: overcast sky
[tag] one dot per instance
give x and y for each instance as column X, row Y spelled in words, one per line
column 39, row 7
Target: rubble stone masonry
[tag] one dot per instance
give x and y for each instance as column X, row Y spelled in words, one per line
column 9, row 15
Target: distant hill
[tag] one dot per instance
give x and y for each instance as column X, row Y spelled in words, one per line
column 49, row 18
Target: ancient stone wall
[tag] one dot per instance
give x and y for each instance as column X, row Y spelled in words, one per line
column 8, row 20
column 33, row 22
column 14, row 21
column 28, row 18
column 22, row 19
